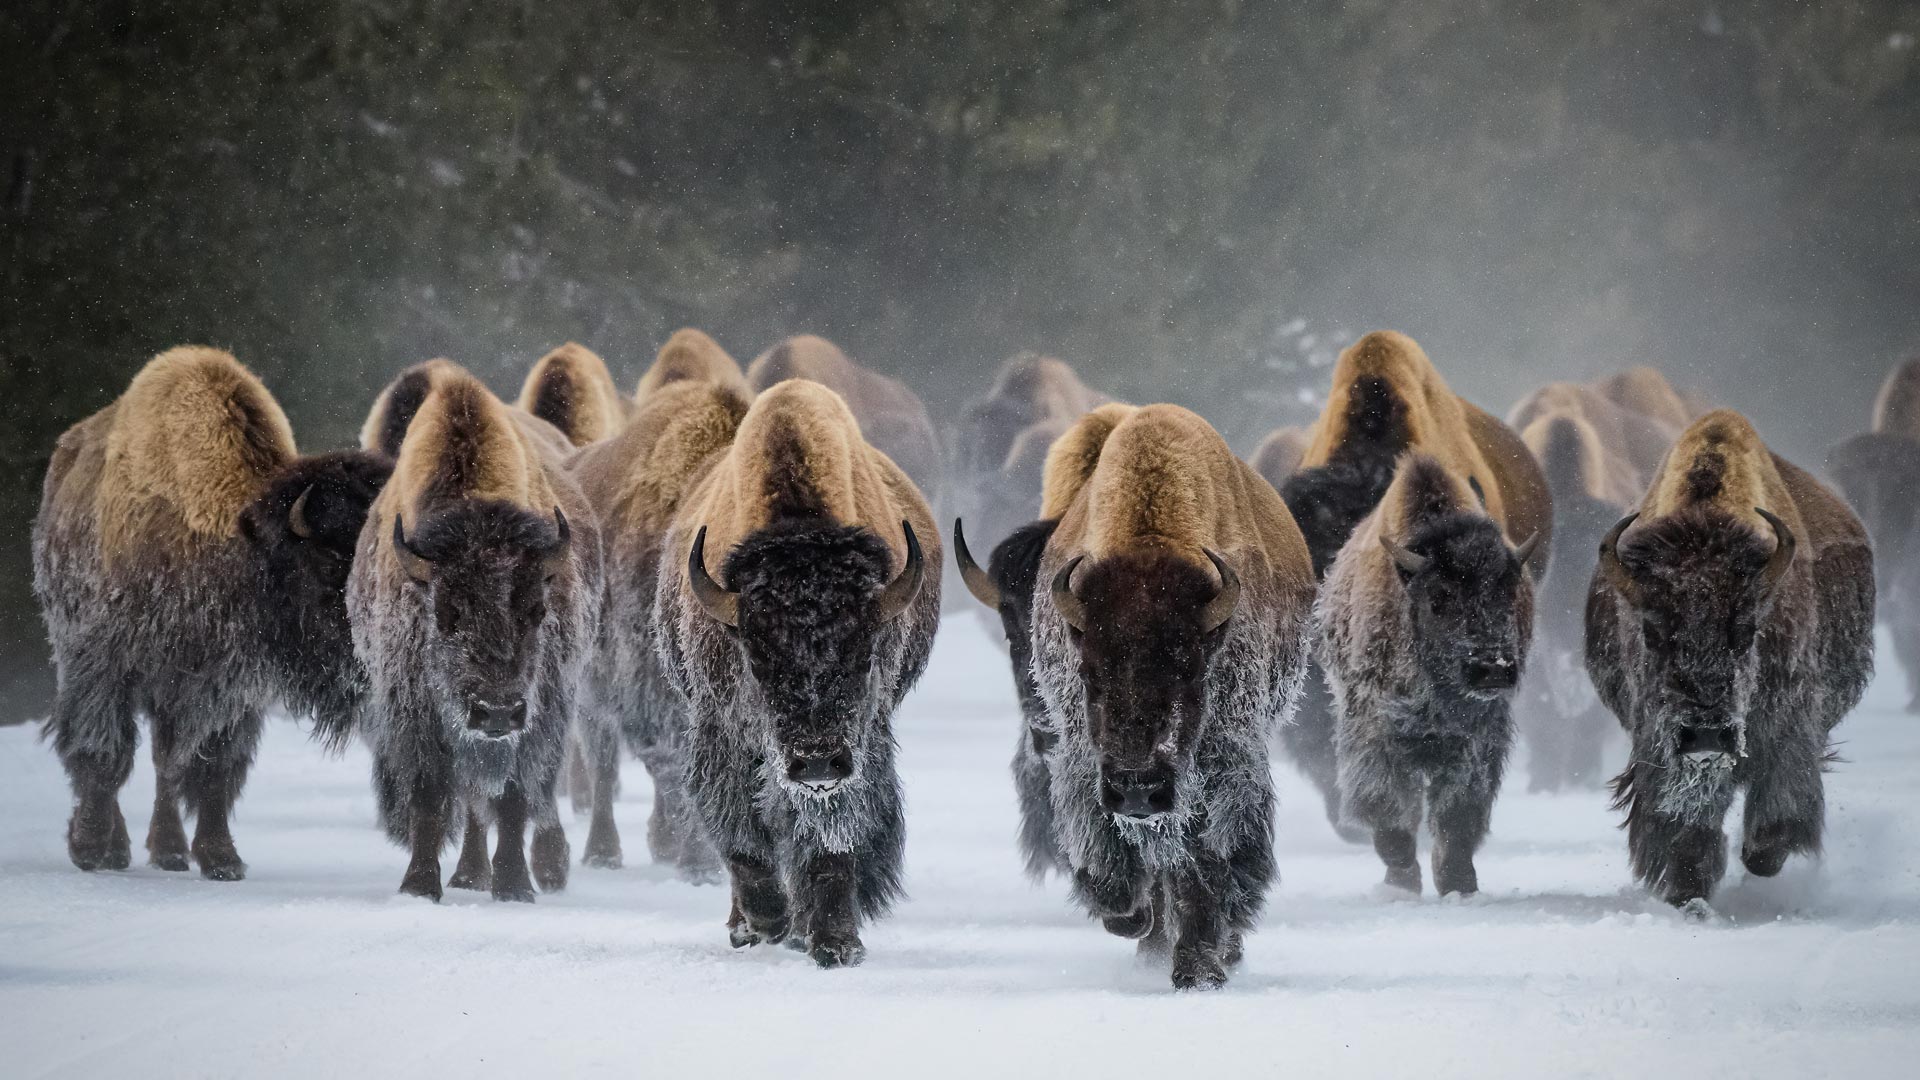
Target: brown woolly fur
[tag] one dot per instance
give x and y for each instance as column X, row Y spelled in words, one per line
column 1896, row 409
column 572, row 389
column 1164, row 701
column 1073, row 456
column 393, row 410
column 1727, row 659
column 465, row 444
column 1644, row 390
column 1279, row 454
column 891, row 416
column 194, row 439
column 691, row 355
column 1628, row 438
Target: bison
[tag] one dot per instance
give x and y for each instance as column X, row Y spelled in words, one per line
column 1279, row 454
column 635, row 483
column 892, row 418
column 796, row 615
column 571, row 389
column 1729, row 627
column 1644, row 391
column 474, row 594
column 1169, row 641
column 1426, row 617
column 1000, row 441
column 1387, row 399
column 691, row 355
column 191, row 568
column 1006, row 587
column 1879, row 473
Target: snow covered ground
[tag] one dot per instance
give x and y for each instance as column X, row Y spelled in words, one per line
column 313, row 966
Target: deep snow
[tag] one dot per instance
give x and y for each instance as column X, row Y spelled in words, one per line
column 313, row 966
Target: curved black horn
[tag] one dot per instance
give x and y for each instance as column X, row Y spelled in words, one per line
column 723, row 605
column 1220, row 608
column 297, row 517
column 1526, row 549
column 1405, row 558
column 1612, row 568
column 904, row 587
column 979, row 582
column 417, row 566
column 1068, row 604
column 1785, row 544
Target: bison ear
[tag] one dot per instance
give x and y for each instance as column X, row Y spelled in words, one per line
column 418, row 567
column 1783, row 548
column 1409, row 561
column 978, row 581
column 556, row 559
column 1612, row 569
column 1069, row 606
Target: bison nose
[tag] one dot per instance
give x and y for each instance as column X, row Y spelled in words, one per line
column 496, row 720
column 820, row 770
column 1491, row 673
column 1705, row 740
column 1136, row 794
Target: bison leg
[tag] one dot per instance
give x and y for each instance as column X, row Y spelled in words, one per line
column 577, row 781
column 1398, row 850
column 166, row 836
column 1906, row 649
column 1696, row 861
column 94, row 734
column 429, row 802
column 759, row 900
column 511, row 881
column 1383, row 795
column 1786, row 808
column 1200, row 923
column 211, row 783
column 551, row 854
column 830, row 885
column 1032, row 783
column 1309, row 742
column 1460, row 818
column 473, row 871
column 601, row 751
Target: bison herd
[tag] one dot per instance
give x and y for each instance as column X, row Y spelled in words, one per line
column 736, row 575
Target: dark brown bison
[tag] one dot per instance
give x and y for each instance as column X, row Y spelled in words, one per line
column 191, row 568
column 795, row 609
column 1387, row 399
column 475, row 591
column 1729, row 627
column 1168, row 642
column 1879, row 473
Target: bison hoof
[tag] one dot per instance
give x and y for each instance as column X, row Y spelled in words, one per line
column 474, row 878
column 837, row 950
column 172, row 861
column 746, row 934
column 1198, row 973
column 1764, row 862
column 1696, row 910
column 603, row 860
column 422, row 881
column 1132, row 927
column 219, row 861
column 1109, row 897
column 521, row 893
column 1404, row 878
column 1234, row 951
column 103, row 846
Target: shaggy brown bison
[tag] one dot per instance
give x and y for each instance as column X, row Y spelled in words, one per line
column 1643, row 390
column 474, row 594
column 794, row 611
column 1879, row 473
column 1168, row 643
column 891, row 416
column 635, row 482
column 191, row 568
column 691, row 355
column 1729, row 627
column 1279, row 454
column 572, row 389
column 1000, row 442
column 1387, row 398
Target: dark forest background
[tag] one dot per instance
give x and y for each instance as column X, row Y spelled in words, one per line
column 1190, row 201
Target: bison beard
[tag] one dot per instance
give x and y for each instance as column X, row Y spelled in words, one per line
column 812, row 666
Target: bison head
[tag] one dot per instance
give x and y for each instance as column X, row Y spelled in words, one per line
column 1147, row 626
column 1697, row 586
column 1469, row 601
column 303, row 529
column 482, row 572
column 807, row 605
column 1007, row 587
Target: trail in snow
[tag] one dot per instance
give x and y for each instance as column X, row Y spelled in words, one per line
column 313, row 966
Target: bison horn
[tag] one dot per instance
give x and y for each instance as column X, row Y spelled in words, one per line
column 1068, row 604
column 722, row 604
column 297, row 517
column 1406, row 559
column 979, row 582
column 1612, row 568
column 417, row 566
column 556, row 559
column 1526, row 549
column 1220, row 608
column 1782, row 558
column 904, row 587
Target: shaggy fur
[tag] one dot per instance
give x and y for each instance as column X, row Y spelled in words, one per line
column 892, row 418
column 487, row 611
column 1388, row 399
column 204, row 609
column 1645, row 391
column 1879, row 474
column 1146, row 692
column 572, row 389
column 1015, row 570
column 691, row 356
column 393, row 410
column 1722, row 679
column 1896, row 409
column 803, row 522
column 1279, row 454
column 1403, row 648
column 635, row 483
